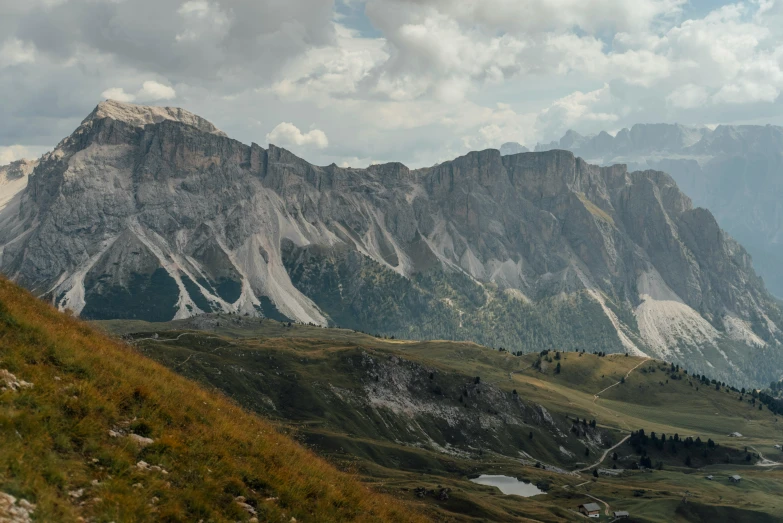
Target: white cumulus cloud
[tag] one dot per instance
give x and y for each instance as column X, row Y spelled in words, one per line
column 11, row 153
column 287, row 134
column 593, row 106
column 412, row 80
column 203, row 20
column 744, row 91
column 336, row 70
column 197, row 8
column 151, row 91
column 14, row 52
column 119, row 94
column 688, row 96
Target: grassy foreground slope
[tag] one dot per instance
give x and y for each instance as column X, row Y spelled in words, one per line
column 270, row 367
column 106, row 434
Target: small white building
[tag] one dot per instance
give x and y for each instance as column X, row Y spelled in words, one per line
column 735, row 478
column 735, row 435
column 591, row 510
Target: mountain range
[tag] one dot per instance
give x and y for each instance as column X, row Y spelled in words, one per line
column 153, row 213
column 736, row 171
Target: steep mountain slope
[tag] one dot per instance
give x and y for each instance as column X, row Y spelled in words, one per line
column 154, row 214
column 90, row 429
column 377, row 390
column 735, row 171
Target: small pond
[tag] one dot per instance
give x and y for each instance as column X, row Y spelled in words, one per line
column 508, row 485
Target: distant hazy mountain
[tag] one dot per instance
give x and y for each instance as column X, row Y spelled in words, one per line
column 735, row 171
column 512, row 148
column 153, row 213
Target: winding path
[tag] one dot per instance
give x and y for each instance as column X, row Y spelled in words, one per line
column 164, row 340
column 518, row 371
column 603, row 457
column 606, row 453
column 764, row 462
column 595, row 396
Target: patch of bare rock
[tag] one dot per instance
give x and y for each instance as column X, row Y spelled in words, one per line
column 14, row 510
column 9, row 381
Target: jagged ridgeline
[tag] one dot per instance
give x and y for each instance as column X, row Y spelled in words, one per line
column 154, row 214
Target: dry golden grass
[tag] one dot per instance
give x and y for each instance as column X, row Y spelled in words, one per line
column 594, row 209
column 54, row 437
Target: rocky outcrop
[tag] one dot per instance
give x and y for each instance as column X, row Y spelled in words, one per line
column 153, row 213
column 15, row 511
column 10, row 382
column 16, row 170
column 13, row 180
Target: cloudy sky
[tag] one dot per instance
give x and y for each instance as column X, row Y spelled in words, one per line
column 418, row 81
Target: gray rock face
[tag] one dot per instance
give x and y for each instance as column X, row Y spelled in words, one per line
column 16, row 170
column 735, row 171
column 155, row 214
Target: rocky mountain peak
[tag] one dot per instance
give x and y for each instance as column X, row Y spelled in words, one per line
column 141, row 115
column 151, row 213
column 571, row 138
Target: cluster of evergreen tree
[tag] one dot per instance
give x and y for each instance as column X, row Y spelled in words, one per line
column 772, row 397
column 704, row 380
column 581, row 427
column 543, row 356
column 686, row 450
column 775, row 405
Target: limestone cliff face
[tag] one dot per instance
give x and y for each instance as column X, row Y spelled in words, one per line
column 154, row 213
column 736, row 171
